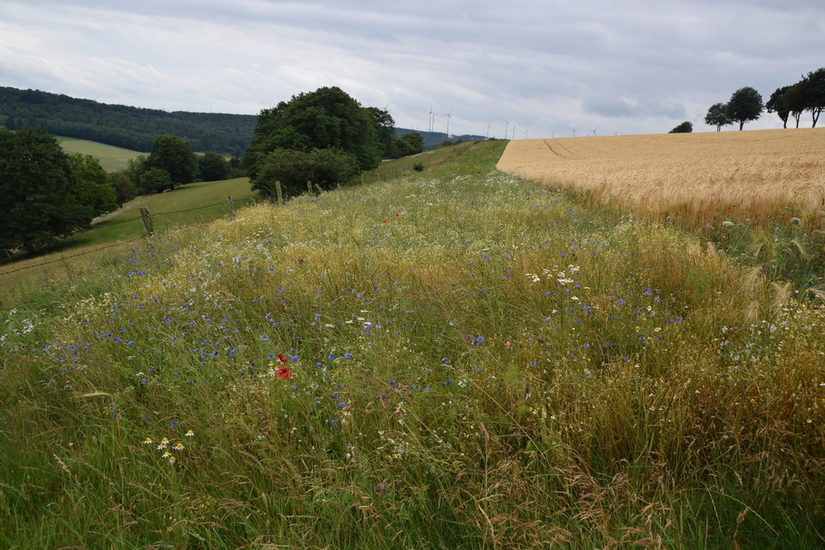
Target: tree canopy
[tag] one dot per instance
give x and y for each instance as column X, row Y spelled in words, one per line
column 327, row 118
column 813, row 93
column 38, row 189
column 718, row 116
column 684, row 128
column 174, row 155
column 745, row 105
column 213, row 167
column 92, row 185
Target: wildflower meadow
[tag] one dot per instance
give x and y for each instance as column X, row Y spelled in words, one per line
column 452, row 358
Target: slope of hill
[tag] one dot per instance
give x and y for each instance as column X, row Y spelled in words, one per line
column 122, row 126
column 111, row 158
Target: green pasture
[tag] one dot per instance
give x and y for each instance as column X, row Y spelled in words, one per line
column 111, row 158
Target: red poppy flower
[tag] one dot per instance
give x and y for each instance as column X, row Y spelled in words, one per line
column 283, row 373
column 385, row 220
column 282, row 358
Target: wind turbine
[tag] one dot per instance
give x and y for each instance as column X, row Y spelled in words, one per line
column 506, row 124
column 594, row 129
column 449, row 116
column 431, row 116
column 488, row 132
column 574, row 132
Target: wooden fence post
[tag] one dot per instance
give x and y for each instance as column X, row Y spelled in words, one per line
column 280, row 193
column 230, row 207
column 318, row 187
column 309, row 187
column 147, row 220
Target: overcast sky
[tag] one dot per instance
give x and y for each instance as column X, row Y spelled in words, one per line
column 546, row 66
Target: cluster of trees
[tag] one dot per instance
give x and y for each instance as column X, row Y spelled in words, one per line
column 744, row 105
column 324, row 136
column 788, row 101
column 47, row 193
column 130, row 127
column 173, row 163
column 806, row 95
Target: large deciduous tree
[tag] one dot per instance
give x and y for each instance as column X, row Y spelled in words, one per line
column 813, row 93
column 38, row 190
column 778, row 103
column 92, row 186
column 745, row 104
column 125, row 189
column 327, row 118
column 213, row 167
column 385, row 130
column 718, row 116
column 174, row 155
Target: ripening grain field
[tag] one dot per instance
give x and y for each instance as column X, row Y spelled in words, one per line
column 761, row 176
column 454, row 359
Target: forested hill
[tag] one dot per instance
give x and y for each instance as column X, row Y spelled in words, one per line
column 129, row 127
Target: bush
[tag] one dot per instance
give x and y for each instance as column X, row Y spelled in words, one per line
column 213, row 167
column 418, row 167
column 324, row 167
column 154, row 180
column 684, row 128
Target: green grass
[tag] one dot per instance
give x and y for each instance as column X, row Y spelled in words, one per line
column 474, row 362
column 194, row 203
column 111, row 158
column 187, row 204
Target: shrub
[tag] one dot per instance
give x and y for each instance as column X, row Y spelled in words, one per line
column 324, row 167
column 154, row 180
column 683, row 128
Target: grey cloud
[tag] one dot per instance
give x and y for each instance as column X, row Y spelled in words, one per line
column 542, row 64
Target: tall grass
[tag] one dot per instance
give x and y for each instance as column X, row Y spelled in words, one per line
column 469, row 361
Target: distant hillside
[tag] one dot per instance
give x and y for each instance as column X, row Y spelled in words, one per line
column 136, row 128
column 128, row 127
column 111, row 158
column 434, row 139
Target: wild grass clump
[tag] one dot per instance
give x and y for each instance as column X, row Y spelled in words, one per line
column 457, row 361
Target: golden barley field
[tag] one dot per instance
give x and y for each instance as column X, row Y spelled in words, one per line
column 761, row 175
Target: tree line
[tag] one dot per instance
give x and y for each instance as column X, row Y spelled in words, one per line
column 787, row 102
column 129, row 127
